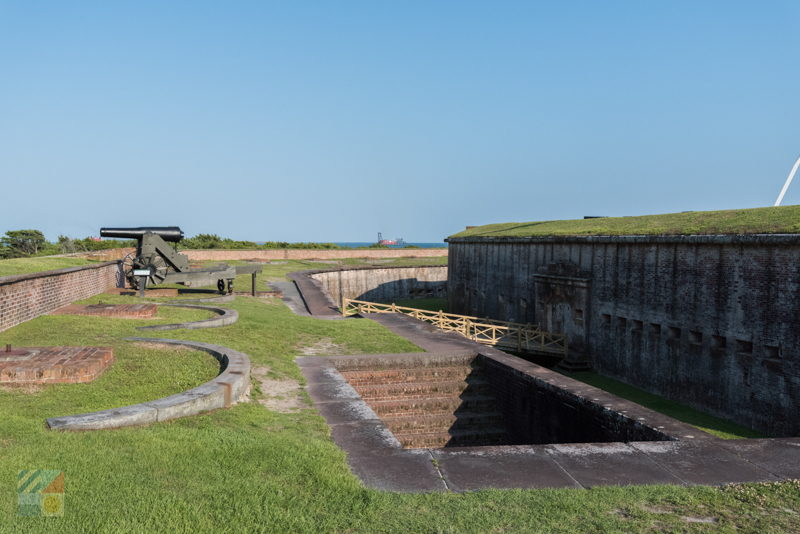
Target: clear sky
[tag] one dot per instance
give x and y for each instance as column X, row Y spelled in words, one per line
column 331, row 121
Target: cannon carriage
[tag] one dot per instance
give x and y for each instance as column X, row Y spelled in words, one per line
column 157, row 261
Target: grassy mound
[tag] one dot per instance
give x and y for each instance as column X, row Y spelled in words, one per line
column 780, row 220
column 17, row 266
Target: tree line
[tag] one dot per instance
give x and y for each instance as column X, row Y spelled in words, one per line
column 26, row 243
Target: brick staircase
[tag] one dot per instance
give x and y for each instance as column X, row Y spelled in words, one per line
column 449, row 406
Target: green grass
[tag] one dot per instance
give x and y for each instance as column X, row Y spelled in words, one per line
column 250, row 469
column 278, row 269
column 34, row 265
column 713, row 425
column 783, row 219
column 432, row 304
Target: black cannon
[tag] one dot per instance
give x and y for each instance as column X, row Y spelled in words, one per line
column 157, row 262
column 171, row 234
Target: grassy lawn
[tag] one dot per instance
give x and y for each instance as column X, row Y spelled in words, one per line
column 275, row 270
column 713, row 425
column 432, row 304
column 253, row 469
column 783, row 219
column 278, row 269
column 34, row 265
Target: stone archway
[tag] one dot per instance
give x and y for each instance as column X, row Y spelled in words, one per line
column 562, row 307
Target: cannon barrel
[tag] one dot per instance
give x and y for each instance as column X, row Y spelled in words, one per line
column 173, row 234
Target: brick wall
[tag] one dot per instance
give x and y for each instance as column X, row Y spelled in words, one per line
column 274, row 254
column 311, row 254
column 28, row 296
column 710, row 321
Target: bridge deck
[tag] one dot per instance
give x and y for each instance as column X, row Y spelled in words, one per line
column 519, row 337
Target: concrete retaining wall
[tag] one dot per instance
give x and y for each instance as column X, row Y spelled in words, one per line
column 28, row 296
column 384, row 284
column 232, row 385
column 711, row 321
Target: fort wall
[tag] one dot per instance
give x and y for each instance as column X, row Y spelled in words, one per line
column 710, row 321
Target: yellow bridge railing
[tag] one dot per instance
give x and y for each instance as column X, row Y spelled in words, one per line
column 519, row 337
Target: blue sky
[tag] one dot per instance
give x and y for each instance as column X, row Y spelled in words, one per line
column 331, row 121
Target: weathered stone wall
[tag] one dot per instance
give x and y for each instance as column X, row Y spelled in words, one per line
column 28, row 296
column 312, row 254
column 711, row 321
column 384, row 283
column 536, row 411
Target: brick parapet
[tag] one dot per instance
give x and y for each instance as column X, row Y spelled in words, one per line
column 311, row 254
column 25, row 297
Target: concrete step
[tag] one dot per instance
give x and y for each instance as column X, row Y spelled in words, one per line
column 433, row 405
column 417, row 440
column 421, row 389
column 400, row 376
column 443, row 422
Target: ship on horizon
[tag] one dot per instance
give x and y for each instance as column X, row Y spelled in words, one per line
column 399, row 242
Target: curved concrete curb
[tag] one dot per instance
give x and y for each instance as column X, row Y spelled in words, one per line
column 226, row 317
column 229, row 387
column 220, row 298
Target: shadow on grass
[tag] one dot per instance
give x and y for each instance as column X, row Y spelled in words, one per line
column 719, row 427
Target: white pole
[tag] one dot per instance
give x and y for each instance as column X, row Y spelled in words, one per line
column 788, row 181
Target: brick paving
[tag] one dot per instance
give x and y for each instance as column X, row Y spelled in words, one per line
column 53, row 365
column 121, row 311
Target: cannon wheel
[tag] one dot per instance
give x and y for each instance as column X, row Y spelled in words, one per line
column 127, row 270
column 157, row 266
column 230, row 286
column 221, row 285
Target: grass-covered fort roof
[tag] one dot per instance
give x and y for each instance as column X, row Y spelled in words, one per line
column 780, row 220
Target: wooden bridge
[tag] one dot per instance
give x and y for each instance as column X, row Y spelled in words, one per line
column 518, row 337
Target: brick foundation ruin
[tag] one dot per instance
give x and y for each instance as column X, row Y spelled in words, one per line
column 53, row 365
column 119, row 311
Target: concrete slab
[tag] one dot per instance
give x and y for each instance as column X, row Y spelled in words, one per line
column 702, row 463
column 312, row 361
column 321, row 374
column 292, row 297
column 332, row 391
column 474, row 468
column 314, row 298
column 365, row 437
column 607, row 464
column 401, row 471
column 346, row 411
column 779, row 456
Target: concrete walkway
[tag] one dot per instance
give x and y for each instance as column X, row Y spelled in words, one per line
column 375, row 455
